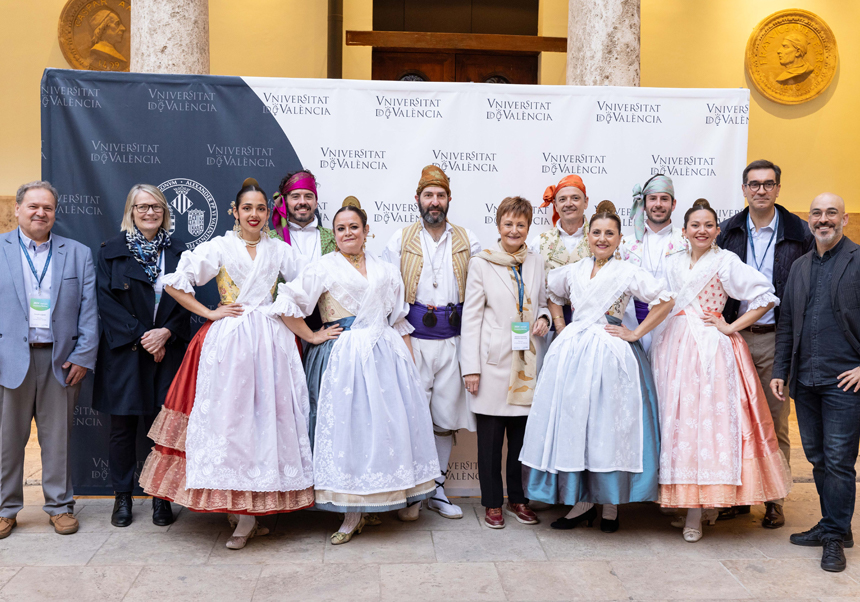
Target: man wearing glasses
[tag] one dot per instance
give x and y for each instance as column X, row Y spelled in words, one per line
column 433, row 256
column 769, row 238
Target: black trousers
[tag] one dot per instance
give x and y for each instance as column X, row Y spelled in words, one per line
column 491, row 437
column 122, row 455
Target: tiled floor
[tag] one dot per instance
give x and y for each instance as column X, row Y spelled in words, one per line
column 430, row 559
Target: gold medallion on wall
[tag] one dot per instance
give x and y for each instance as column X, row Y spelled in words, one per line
column 791, row 56
column 94, row 34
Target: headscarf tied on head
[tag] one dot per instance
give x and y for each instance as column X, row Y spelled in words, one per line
column 656, row 185
column 280, row 215
column 550, row 192
column 433, row 176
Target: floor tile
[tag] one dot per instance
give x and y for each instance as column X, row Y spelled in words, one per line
column 593, row 544
column 50, row 549
column 772, row 578
column 279, row 547
column 151, row 548
column 432, row 521
column 69, row 584
column 550, row 581
column 376, row 547
column 194, row 583
column 490, row 545
column 318, row 583
column 6, row 573
column 95, row 518
column 442, row 582
column 678, row 580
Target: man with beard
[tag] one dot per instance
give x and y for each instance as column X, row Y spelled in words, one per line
column 818, row 355
column 433, row 257
column 296, row 219
column 654, row 237
column 769, row 238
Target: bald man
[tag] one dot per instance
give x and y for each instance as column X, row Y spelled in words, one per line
column 818, row 355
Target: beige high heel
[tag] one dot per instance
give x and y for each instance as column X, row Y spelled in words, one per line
column 237, row 543
column 339, row 537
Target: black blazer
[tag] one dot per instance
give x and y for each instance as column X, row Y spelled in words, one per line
column 128, row 381
column 793, row 239
column 845, row 297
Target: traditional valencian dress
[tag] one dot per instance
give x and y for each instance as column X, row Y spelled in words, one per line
column 232, row 436
column 718, row 443
column 593, row 432
column 373, row 444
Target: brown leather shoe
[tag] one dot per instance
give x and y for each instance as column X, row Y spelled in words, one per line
column 773, row 516
column 6, row 526
column 494, row 519
column 65, row 524
column 522, row 513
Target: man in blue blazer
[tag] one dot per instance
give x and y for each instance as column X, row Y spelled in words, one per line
column 48, row 341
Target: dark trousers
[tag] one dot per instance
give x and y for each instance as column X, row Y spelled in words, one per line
column 829, row 422
column 122, row 456
column 491, row 437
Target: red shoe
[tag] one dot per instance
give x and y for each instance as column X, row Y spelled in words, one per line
column 522, row 513
column 494, row 518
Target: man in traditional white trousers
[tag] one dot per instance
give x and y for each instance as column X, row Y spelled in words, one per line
column 433, row 256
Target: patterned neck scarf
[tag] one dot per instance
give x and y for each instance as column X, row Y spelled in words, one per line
column 146, row 251
column 521, row 386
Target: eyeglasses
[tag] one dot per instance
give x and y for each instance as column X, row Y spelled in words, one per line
column 831, row 213
column 144, row 209
column 754, row 186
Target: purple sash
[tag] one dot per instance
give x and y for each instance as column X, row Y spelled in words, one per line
column 641, row 310
column 442, row 329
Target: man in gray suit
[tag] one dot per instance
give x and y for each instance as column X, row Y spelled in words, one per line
column 818, row 355
column 48, row 341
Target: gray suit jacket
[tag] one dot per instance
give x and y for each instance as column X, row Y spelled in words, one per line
column 74, row 315
column 844, row 295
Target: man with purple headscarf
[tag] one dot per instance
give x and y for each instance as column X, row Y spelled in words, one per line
column 654, row 236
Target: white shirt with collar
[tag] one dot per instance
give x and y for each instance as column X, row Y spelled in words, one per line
column 654, row 250
column 437, row 262
column 306, row 240
column 764, row 254
column 569, row 240
column 38, row 253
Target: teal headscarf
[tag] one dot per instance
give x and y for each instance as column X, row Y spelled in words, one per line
column 655, row 185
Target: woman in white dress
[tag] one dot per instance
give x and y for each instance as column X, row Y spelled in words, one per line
column 232, row 436
column 373, row 447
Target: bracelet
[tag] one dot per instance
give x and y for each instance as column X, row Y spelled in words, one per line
column 558, row 318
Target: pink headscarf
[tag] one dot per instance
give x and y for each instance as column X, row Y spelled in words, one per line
column 280, row 216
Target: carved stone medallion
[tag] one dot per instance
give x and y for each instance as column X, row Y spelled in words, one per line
column 94, row 34
column 791, row 56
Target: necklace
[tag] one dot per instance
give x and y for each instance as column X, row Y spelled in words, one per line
column 601, row 262
column 355, row 260
column 248, row 243
column 433, row 267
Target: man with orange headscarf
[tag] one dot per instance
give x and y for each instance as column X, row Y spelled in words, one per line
column 566, row 242
column 433, row 258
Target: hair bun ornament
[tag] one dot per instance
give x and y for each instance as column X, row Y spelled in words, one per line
column 606, row 207
column 702, row 204
column 352, row 201
column 250, row 182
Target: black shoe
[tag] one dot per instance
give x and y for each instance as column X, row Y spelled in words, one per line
column 121, row 516
column 773, row 516
column 609, row 526
column 733, row 512
column 569, row 523
column 833, row 557
column 162, row 513
column 812, row 538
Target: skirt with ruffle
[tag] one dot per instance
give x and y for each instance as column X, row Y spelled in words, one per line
column 163, row 473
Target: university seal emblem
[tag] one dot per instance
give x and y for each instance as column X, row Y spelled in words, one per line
column 193, row 213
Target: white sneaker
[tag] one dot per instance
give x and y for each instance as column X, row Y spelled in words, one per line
column 409, row 513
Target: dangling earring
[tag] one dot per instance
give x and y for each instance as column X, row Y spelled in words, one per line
column 714, row 246
column 236, row 227
column 617, row 254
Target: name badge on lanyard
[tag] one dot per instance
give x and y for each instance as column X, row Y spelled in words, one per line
column 520, row 330
column 40, row 303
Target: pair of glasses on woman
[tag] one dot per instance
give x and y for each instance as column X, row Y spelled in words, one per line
column 144, row 209
column 430, row 320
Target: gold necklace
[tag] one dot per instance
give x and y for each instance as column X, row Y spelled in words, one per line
column 601, row 262
column 355, row 260
column 249, row 243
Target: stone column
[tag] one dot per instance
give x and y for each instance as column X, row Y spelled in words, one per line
column 602, row 43
column 170, row 36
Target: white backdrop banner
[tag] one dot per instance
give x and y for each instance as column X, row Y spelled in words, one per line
column 198, row 137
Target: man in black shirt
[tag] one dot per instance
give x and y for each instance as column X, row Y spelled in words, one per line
column 818, row 354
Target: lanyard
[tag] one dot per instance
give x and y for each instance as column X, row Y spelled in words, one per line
column 752, row 244
column 33, row 267
column 520, row 285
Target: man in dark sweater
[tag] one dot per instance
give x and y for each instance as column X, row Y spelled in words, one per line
column 818, row 355
column 769, row 238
